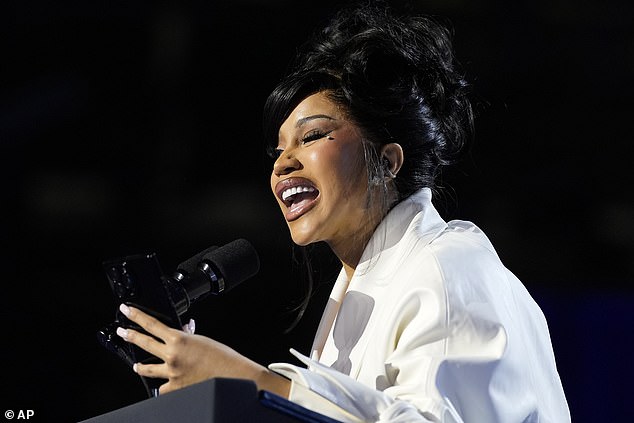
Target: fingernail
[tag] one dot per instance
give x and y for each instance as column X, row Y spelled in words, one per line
column 191, row 326
column 124, row 309
column 134, row 368
column 122, row 333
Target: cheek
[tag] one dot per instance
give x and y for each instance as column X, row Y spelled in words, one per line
column 349, row 166
column 342, row 174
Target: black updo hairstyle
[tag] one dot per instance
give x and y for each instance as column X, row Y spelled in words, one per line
column 397, row 79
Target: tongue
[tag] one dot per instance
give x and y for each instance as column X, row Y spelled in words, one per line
column 302, row 199
column 298, row 204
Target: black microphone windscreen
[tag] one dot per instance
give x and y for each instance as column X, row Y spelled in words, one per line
column 236, row 262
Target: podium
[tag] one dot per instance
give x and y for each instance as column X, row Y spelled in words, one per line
column 218, row 400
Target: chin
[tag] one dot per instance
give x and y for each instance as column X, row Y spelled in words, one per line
column 301, row 239
column 301, row 235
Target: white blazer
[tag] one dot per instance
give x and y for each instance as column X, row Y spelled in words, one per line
column 431, row 327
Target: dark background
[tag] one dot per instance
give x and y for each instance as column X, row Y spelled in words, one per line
column 134, row 126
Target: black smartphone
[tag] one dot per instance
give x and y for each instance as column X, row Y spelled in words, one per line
column 138, row 281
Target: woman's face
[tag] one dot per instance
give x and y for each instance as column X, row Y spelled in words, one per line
column 320, row 176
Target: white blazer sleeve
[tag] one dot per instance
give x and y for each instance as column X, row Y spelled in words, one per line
column 341, row 397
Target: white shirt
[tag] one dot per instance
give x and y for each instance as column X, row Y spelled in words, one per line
column 431, row 327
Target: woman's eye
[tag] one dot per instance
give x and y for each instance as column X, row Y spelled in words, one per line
column 315, row 135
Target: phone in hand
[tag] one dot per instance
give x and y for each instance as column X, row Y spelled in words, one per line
column 138, row 281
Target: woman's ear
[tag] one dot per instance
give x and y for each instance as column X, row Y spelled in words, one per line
column 392, row 156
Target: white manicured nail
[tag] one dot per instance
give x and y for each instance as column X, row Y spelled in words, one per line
column 124, row 309
column 122, row 333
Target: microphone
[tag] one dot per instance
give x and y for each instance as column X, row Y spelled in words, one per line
column 214, row 270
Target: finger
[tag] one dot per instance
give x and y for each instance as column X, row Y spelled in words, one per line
column 151, row 370
column 166, row 387
column 147, row 322
column 142, row 341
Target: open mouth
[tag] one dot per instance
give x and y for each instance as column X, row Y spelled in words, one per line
column 298, row 195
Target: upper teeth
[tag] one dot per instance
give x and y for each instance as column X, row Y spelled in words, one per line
column 292, row 191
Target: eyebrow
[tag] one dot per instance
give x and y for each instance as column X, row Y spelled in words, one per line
column 306, row 119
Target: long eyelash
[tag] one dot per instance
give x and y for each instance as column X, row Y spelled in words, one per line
column 316, row 135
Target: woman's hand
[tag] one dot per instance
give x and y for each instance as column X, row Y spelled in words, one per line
column 189, row 358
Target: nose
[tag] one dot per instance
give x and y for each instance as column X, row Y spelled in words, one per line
column 286, row 163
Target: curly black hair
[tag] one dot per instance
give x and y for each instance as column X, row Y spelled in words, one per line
column 396, row 77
